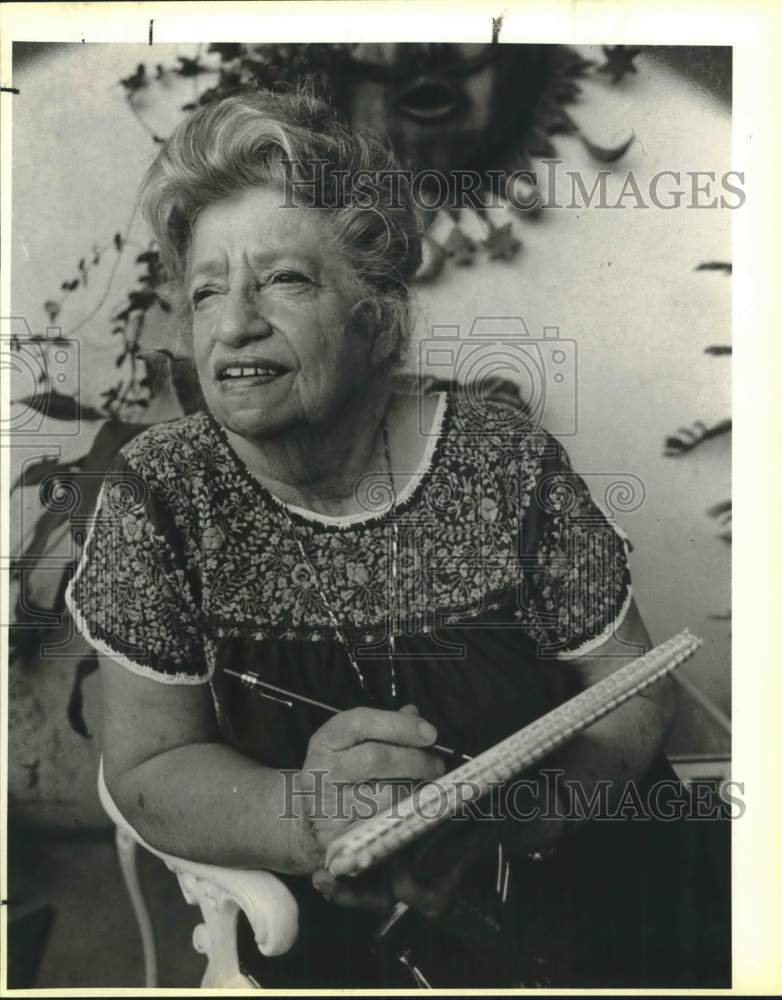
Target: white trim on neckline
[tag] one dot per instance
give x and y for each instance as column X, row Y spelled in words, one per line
column 401, row 497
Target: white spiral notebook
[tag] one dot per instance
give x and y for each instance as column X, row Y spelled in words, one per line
column 371, row 841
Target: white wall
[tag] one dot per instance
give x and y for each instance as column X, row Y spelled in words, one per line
column 620, row 283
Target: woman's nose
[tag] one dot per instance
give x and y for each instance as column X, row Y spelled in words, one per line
column 242, row 317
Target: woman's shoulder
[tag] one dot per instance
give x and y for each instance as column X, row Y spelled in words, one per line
column 172, row 450
column 483, row 437
column 491, row 420
column 482, row 421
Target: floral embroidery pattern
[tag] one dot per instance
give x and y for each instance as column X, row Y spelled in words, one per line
column 200, row 550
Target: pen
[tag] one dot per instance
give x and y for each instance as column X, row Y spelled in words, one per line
column 396, row 914
column 252, row 680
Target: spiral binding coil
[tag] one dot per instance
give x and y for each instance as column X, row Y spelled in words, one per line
column 371, row 841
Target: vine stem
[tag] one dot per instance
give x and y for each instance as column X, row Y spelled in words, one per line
column 131, row 342
column 137, row 115
column 101, row 301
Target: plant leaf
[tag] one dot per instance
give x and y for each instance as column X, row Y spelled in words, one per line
column 432, row 267
column 716, row 265
column 32, row 475
column 606, row 154
column 45, row 526
column 724, row 507
column 187, row 386
column 75, row 710
column 108, row 441
column 58, row 406
column 226, row 50
column 189, row 67
column 136, row 80
column 460, row 246
column 52, row 309
column 692, row 437
column 143, row 299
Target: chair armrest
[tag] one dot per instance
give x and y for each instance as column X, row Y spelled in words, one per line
column 221, row 893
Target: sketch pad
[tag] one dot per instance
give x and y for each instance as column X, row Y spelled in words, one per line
column 371, row 841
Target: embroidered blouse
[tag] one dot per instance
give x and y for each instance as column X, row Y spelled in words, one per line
column 504, row 565
column 503, row 556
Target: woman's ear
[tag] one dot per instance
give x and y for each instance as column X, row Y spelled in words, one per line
column 367, row 315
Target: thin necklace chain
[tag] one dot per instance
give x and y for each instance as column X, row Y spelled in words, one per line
column 394, row 563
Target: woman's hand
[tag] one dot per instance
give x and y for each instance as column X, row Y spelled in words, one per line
column 358, row 763
column 381, row 890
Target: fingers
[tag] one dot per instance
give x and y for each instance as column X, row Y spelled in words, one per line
column 357, row 725
column 430, row 898
column 380, row 890
column 354, row 804
column 370, row 762
column 368, row 801
column 353, row 893
column 445, row 846
column 382, row 761
column 358, row 747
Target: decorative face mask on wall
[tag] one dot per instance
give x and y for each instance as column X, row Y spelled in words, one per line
column 445, row 107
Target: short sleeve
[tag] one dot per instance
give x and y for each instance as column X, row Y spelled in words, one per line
column 131, row 596
column 576, row 587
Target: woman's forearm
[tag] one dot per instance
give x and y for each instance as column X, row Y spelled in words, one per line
column 209, row 803
column 613, row 753
column 619, row 749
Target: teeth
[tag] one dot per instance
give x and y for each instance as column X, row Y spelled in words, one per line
column 247, row 372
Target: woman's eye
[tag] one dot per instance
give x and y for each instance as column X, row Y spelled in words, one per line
column 200, row 294
column 288, row 278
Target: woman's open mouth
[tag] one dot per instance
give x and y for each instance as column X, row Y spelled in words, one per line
column 243, row 376
column 430, row 101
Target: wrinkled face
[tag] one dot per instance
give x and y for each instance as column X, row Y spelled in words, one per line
column 271, row 297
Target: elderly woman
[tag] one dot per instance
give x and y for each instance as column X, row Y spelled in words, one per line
column 426, row 563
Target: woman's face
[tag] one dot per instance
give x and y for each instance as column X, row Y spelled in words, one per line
column 271, row 296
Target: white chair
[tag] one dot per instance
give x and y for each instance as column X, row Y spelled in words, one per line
column 221, row 893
